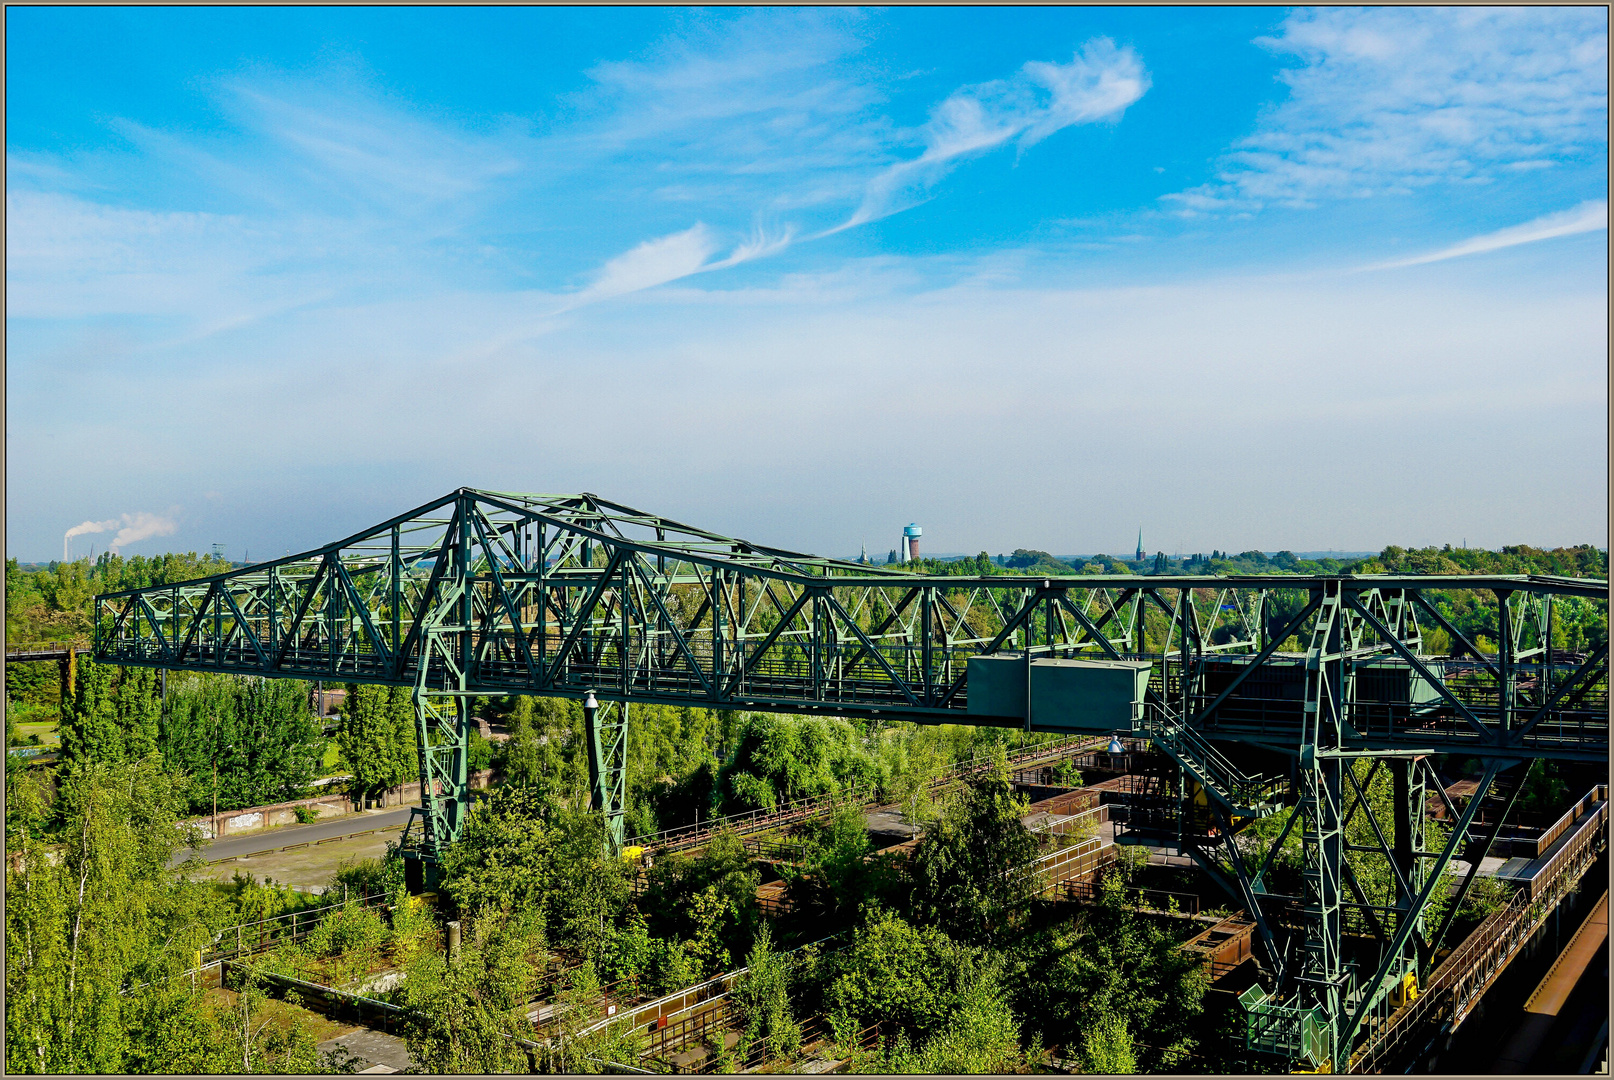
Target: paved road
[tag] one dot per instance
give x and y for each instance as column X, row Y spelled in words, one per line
column 274, row 839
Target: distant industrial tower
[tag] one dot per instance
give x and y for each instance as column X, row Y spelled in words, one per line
column 910, row 542
column 1140, row 546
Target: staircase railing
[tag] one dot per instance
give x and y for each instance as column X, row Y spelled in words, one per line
column 1214, row 770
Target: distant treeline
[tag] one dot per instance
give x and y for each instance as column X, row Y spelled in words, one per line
column 1582, row 560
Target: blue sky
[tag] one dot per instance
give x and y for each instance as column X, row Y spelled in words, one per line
column 1262, row 278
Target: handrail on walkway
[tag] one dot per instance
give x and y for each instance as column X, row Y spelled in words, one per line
column 802, row 809
column 1468, row 972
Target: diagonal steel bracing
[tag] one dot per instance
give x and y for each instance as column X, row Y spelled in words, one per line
column 493, row 593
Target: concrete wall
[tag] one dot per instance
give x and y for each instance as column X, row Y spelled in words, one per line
column 334, row 804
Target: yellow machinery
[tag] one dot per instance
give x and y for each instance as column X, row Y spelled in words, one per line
column 1405, row 992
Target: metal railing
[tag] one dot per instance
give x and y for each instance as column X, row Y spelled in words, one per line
column 1089, row 891
column 1462, row 979
column 271, row 933
column 46, row 650
column 865, row 795
column 1214, row 769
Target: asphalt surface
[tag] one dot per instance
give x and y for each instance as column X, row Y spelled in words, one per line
column 275, row 839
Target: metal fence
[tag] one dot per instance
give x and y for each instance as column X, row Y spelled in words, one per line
column 1459, row 982
column 866, row 795
column 248, row 939
column 45, row 650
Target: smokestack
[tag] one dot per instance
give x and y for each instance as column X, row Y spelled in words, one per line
column 911, row 535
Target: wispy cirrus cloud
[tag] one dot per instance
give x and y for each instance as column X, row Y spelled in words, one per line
column 1587, row 217
column 1040, row 99
column 668, row 258
column 1395, row 99
column 325, row 188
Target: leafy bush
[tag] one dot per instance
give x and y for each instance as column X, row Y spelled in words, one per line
column 912, row 979
column 1115, row 970
column 351, row 929
column 467, row 1013
column 256, row 901
column 520, row 851
column 369, row 877
column 763, row 994
column 836, row 875
column 708, row 900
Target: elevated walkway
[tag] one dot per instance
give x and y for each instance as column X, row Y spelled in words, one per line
column 45, row 650
column 1462, row 979
column 1550, row 995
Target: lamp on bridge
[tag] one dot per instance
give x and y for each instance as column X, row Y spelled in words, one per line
column 1115, row 746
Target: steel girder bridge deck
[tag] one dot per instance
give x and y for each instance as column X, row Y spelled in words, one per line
column 492, row 593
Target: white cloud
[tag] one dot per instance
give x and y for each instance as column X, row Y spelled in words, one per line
column 843, row 397
column 654, row 262
column 668, row 258
column 1392, row 99
column 1098, row 84
column 1587, row 217
column 132, row 528
column 759, row 110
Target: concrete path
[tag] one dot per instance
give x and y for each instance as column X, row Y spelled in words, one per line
column 377, row 1052
column 274, row 839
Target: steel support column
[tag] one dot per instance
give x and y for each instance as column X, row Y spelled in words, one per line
column 608, row 764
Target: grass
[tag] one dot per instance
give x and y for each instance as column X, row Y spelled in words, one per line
column 45, row 729
column 285, row 1016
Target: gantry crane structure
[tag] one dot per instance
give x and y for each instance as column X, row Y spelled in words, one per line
column 493, row 593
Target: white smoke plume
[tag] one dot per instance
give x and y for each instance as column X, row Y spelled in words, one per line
column 131, row 527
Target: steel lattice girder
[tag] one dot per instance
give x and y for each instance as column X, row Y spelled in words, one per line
column 567, row 594
column 492, row 593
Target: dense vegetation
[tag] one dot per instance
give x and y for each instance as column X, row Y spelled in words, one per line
column 943, row 953
column 935, row 951
column 99, row 930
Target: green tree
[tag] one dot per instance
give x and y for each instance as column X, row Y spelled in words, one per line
column 763, row 995
column 708, row 900
column 502, row 857
column 836, row 874
column 546, row 747
column 521, row 851
column 96, row 923
column 260, row 733
column 468, row 1011
column 1107, row 1048
column 1113, row 971
column 912, row 980
column 378, row 738
column 781, row 759
column 115, row 714
column 578, row 1044
column 982, row 1036
column 971, row 871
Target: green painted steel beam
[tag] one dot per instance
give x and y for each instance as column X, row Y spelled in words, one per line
column 494, row 593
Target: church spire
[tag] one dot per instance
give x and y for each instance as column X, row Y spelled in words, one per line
column 1140, row 544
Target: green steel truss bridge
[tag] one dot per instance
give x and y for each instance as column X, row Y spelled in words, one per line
column 484, row 593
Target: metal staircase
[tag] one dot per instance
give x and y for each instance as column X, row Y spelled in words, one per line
column 1245, row 797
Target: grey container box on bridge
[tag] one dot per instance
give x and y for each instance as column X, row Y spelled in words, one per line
column 1066, row 695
